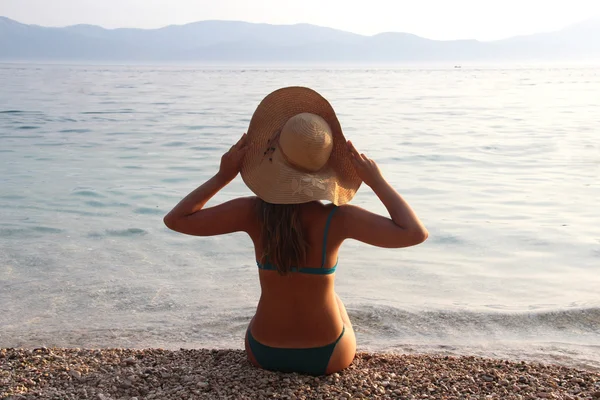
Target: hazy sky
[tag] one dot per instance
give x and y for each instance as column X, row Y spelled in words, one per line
column 435, row 19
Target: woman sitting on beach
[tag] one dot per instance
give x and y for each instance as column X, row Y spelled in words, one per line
column 293, row 156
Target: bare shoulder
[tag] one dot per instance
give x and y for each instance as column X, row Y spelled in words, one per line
column 244, row 208
column 247, row 203
column 231, row 216
column 351, row 217
column 240, row 206
column 348, row 213
column 365, row 226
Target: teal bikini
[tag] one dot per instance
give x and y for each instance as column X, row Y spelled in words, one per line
column 313, row 360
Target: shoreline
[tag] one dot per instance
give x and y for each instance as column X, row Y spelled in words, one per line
column 103, row 374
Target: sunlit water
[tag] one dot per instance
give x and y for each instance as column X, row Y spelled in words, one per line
column 501, row 164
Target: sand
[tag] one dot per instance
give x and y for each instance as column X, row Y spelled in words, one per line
column 56, row 373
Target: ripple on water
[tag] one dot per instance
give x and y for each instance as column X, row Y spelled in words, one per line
column 131, row 232
column 27, row 232
column 12, row 197
column 174, row 180
column 201, row 127
column 124, row 111
column 117, row 192
column 12, row 232
column 87, row 193
column 82, row 130
column 94, row 203
column 178, row 168
column 174, row 144
column 99, row 204
column 207, row 148
column 446, row 238
column 52, row 144
column 117, row 133
column 148, row 211
column 46, row 229
column 22, row 136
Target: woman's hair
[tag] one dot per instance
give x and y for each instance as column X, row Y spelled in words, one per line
column 283, row 240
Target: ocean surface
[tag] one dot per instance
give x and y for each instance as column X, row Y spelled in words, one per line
column 502, row 164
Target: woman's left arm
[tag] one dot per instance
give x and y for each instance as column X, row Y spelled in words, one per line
column 190, row 216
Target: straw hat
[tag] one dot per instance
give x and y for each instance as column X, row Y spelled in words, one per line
column 297, row 151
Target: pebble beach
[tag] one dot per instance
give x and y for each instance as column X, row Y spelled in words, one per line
column 59, row 373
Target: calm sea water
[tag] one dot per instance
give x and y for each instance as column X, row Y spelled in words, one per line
column 501, row 164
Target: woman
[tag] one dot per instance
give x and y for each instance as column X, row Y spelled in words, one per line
column 293, row 156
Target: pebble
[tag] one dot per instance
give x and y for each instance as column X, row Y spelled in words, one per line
column 129, row 361
column 75, row 374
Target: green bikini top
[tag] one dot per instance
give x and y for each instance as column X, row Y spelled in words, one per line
column 311, row 271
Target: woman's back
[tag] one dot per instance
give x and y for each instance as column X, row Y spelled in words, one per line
column 299, row 309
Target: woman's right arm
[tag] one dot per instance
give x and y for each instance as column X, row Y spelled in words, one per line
column 402, row 229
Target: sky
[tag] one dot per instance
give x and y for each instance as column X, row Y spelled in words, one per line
column 434, row 19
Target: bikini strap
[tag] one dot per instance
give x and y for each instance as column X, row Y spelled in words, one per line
column 325, row 235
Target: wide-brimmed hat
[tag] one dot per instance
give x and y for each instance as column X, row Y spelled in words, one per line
column 297, row 151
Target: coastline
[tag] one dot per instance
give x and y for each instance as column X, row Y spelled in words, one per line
column 104, row 374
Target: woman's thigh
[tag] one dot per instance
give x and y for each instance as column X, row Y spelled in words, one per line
column 346, row 348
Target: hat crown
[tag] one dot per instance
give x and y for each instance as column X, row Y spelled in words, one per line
column 295, row 158
column 306, row 140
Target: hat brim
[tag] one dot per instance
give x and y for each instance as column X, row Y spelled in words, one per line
column 269, row 176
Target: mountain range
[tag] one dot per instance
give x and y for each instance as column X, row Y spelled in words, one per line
column 231, row 41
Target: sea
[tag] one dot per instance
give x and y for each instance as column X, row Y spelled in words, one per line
column 501, row 163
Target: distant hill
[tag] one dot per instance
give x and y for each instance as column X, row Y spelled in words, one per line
column 229, row 41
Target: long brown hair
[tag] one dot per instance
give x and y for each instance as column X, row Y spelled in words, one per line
column 283, row 240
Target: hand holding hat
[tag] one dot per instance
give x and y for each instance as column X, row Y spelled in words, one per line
column 231, row 161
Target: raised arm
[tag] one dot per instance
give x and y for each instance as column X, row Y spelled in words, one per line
column 190, row 217
column 402, row 229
